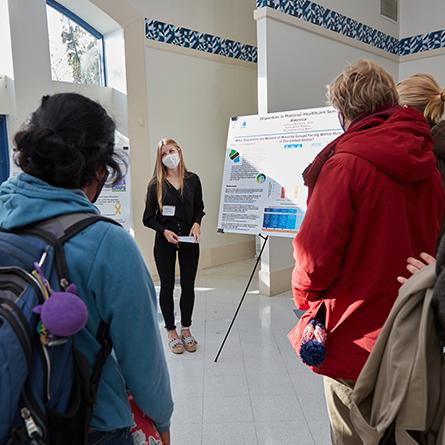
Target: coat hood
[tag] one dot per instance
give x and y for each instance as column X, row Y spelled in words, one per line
column 26, row 200
column 396, row 141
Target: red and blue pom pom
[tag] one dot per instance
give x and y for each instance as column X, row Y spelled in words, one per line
column 313, row 349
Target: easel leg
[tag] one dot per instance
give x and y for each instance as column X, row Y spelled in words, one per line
column 244, row 295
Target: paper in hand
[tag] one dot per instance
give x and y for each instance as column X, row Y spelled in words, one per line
column 187, row 239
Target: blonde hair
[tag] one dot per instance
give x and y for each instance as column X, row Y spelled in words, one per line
column 362, row 87
column 160, row 173
column 422, row 92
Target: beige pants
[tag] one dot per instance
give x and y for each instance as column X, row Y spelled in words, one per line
column 338, row 399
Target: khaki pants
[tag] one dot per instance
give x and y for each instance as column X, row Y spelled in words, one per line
column 338, row 399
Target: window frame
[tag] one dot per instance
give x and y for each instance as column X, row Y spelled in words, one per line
column 4, row 150
column 88, row 28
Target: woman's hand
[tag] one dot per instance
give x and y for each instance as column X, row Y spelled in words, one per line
column 196, row 231
column 171, row 237
column 414, row 265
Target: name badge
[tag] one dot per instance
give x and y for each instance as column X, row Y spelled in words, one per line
column 168, row 210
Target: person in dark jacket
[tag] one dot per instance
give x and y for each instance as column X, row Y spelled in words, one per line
column 422, row 92
column 375, row 198
column 174, row 209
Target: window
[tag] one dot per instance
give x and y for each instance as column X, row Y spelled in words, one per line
column 4, row 151
column 76, row 48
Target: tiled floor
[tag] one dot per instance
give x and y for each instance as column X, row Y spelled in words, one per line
column 258, row 393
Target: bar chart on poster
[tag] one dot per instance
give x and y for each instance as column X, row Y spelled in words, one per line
column 262, row 188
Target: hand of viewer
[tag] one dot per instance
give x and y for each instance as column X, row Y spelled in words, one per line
column 171, row 237
column 165, row 438
column 414, row 265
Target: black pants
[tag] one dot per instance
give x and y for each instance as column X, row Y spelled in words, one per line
column 165, row 258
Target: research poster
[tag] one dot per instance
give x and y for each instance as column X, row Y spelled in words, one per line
column 262, row 188
column 115, row 201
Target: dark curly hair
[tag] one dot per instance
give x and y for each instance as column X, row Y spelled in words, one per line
column 67, row 141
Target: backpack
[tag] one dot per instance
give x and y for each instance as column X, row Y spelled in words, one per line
column 47, row 392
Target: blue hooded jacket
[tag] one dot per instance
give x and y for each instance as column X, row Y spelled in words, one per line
column 109, row 271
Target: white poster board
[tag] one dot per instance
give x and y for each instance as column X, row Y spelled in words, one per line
column 262, row 188
column 115, row 201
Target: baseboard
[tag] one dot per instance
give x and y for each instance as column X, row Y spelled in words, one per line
column 275, row 282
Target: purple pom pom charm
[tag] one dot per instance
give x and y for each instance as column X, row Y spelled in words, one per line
column 63, row 313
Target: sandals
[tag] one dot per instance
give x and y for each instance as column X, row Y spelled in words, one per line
column 189, row 342
column 176, row 346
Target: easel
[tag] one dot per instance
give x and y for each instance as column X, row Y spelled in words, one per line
column 265, row 238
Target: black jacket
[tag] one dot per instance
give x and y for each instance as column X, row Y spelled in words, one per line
column 188, row 206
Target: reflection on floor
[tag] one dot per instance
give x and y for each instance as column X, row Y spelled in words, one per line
column 258, row 392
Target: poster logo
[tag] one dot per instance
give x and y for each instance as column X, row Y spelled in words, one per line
column 121, row 186
column 234, row 157
column 261, row 178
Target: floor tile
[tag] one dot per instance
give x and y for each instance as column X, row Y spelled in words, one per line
column 276, row 408
column 186, row 434
column 284, row 433
column 227, row 409
column 229, row 433
column 259, row 391
column 320, row 432
column 187, row 410
column 269, row 384
column 225, row 385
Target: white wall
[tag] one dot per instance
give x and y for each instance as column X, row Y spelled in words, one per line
column 364, row 11
column 115, row 60
column 6, row 66
column 225, row 18
column 431, row 65
column 31, row 66
column 191, row 100
column 299, row 64
column 420, row 17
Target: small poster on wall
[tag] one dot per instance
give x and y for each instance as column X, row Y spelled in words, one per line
column 115, row 200
column 262, row 188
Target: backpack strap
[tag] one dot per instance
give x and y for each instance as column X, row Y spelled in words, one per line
column 63, row 228
column 57, row 231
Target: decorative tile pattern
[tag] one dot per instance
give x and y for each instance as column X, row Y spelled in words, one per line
column 326, row 18
column 422, row 43
column 303, row 9
column 187, row 38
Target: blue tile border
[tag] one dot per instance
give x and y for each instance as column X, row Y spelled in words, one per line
column 305, row 10
column 327, row 18
column 200, row 41
column 422, row 43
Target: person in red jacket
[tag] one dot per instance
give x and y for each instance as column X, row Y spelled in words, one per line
column 375, row 197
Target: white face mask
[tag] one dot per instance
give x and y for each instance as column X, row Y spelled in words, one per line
column 171, row 160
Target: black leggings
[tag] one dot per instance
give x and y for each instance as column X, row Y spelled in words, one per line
column 165, row 258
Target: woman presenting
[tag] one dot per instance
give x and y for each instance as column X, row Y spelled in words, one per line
column 174, row 209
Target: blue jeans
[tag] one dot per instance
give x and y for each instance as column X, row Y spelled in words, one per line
column 116, row 437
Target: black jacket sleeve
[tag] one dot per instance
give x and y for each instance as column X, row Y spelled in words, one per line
column 198, row 211
column 151, row 210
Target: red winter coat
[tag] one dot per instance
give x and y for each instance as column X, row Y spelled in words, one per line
column 375, row 198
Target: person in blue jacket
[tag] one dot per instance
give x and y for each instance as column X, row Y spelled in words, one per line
column 66, row 152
